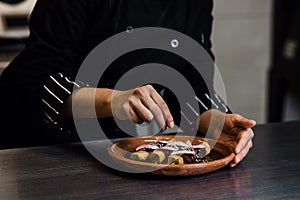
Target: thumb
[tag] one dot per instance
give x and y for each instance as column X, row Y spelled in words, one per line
column 242, row 122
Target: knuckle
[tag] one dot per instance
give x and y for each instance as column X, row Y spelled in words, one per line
column 155, row 109
column 236, row 117
column 162, row 105
column 252, row 134
column 138, row 91
column 125, row 107
column 142, row 91
column 131, row 101
column 241, row 155
column 169, row 118
column 251, row 144
column 147, row 118
column 150, row 87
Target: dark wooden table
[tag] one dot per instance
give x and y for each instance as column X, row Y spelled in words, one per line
column 270, row 171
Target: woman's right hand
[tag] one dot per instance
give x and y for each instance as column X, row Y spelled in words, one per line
column 141, row 104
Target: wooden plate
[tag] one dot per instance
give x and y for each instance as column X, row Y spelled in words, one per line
column 221, row 154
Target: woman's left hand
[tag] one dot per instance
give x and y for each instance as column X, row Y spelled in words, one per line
column 238, row 133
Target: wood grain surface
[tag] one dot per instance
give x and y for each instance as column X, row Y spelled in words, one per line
column 270, row 171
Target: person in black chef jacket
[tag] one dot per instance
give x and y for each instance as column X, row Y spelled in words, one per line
column 36, row 88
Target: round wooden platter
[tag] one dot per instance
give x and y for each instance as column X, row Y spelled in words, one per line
column 221, row 154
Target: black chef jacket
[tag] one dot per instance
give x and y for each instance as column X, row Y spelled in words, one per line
column 62, row 33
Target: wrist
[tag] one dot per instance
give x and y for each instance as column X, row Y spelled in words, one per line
column 103, row 102
column 84, row 102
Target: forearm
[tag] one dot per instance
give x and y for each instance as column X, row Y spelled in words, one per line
column 88, row 103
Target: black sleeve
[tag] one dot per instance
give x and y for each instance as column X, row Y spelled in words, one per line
column 55, row 91
column 56, row 28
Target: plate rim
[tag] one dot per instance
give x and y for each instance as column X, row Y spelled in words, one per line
column 162, row 169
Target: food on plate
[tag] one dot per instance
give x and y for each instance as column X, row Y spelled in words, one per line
column 157, row 156
column 174, row 159
column 140, row 155
column 171, row 152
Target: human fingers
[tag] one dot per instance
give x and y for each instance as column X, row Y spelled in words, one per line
column 159, row 116
column 156, row 111
column 134, row 116
column 241, row 155
column 138, row 112
column 244, row 144
column 243, row 138
column 146, row 94
column 164, row 108
column 240, row 121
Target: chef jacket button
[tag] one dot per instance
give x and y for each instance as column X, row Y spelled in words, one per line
column 174, row 43
column 129, row 29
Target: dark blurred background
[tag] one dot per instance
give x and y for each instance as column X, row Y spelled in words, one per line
column 14, row 16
